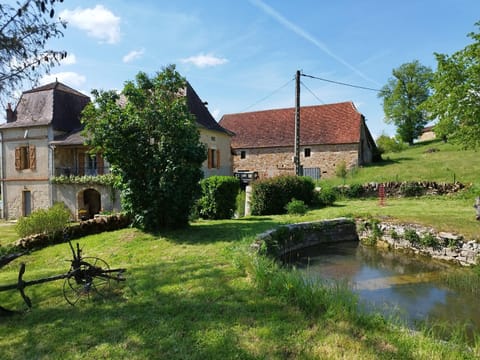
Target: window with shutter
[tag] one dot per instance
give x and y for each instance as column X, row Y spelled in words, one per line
column 218, row 159
column 25, row 157
column 211, row 159
column 18, row 158
column 32, row 159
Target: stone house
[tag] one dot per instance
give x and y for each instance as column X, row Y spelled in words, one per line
column 428, row 133
column 263, row 141
column 42, row 142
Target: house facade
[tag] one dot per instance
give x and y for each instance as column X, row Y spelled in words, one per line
column 263, row 141
column 428, row 133
column 43, row 151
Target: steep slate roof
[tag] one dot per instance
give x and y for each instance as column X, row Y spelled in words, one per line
column 195, row 105
column 338, row 123
column 54, row 103
column 198, row 108
column 73, row 138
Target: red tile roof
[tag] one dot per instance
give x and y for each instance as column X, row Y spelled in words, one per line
column 323, row 124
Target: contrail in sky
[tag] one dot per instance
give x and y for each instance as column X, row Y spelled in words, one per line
column 304, row 34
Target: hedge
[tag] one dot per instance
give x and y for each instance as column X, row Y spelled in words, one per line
column 218, row 200
column 270, row 196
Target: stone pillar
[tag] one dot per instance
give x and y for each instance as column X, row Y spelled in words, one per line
column 248, row 197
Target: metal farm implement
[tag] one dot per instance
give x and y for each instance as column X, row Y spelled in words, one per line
column 86, row 276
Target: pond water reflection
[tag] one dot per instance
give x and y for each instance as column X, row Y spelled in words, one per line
column 405, row 286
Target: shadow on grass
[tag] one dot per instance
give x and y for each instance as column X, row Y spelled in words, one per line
column 388, row 161
column 203, row 232
column 161, row 312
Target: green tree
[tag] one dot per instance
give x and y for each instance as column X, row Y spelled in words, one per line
column 24, row 32
column 456, row 95
column 388, row 144
column 152, row 142
column 403, row 96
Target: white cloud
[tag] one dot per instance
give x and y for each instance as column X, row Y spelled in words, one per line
column 69, row 60
column 133, row 55
column 68, row 78
column 98, row 22
column 216, row 113
column 203, row 60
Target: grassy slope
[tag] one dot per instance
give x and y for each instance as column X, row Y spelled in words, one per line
column 416, row 163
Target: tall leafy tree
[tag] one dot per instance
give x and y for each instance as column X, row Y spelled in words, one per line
column 24, row 32
column 456, row 95
column 403, row 96
column 152, row 142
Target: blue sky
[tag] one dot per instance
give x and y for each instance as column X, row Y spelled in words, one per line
column 242, row 55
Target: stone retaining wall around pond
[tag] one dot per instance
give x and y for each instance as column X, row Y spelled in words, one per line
column 410, row 237
column 421, row 240
column 287, row 238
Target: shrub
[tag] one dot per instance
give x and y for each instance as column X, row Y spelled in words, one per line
column 354, row 191
column 218, row 200
column 386, row 144
column 412, row 236
column 428, row 240
column 341, row 170
column 270, row 196
column 240, row 203
column 326, row 196
column 44, row 221
column 296, row 207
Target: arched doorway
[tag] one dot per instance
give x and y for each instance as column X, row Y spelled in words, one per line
column 91, row 202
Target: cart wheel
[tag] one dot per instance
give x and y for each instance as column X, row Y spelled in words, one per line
column 86, row 281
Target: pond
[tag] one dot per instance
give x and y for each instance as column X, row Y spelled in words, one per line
column 404, row 286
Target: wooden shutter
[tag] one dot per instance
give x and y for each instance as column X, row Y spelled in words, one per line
column 18, row 158
column 218, row 159
column 100, row 164
column 32, row 157
column 81, row 163
column 209, row 160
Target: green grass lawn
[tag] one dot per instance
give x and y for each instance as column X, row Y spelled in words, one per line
column 183, row 299
column 191, row 294
column 194, row 293
column 7, row 233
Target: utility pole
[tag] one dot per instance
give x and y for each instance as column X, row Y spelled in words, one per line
column 296, row 150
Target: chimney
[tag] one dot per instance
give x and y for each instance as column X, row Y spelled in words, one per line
column 11, row 115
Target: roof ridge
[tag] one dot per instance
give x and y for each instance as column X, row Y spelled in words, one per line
column 293, row 108
column 55, row 85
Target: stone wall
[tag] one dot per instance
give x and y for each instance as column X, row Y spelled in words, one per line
column 269, row 162
column 94, row 226
column 285, row 239
column 421, row 240
column 14, row 197
column 414, row 238
column 406, row 188
column 71, row 196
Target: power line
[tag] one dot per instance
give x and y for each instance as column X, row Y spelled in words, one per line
column 269, row 95
column 311, row 92
column 341, row 83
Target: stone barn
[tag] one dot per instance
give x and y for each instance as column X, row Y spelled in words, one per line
column 263, row 141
